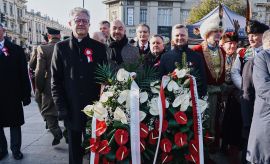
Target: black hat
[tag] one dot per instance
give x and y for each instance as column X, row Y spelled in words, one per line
column 66, row 37
column 256, row 27
column 53, row 31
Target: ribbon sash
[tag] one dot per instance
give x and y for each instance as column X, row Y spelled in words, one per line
column 134, row 95
column 197, row 125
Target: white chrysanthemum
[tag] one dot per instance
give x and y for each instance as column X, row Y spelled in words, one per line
column 142, row 116
column 119, row 115
column 181, row 73
column 155, row 90
column 154, row 106
column 122, row 75
column 172, row 86
column 203, row 105
column 123, row 96
column 143, row 97
column 100, row 112
column 88, row 110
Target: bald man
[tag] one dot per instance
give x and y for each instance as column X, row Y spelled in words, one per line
column 99, row 36
column 120, row 52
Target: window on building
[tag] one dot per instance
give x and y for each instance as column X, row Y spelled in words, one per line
column 164, row 17
column 143, row 15
column 5, row 7
column 143, row 3
column 165, row 4
column 184, row 16
column 11, row 9
column 130, row 3
column 130, row 16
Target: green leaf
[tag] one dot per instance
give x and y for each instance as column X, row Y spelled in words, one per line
column 111, row 156
column 105, row 74
column 173, row 124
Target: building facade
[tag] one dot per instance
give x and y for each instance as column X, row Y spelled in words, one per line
column 26, row 28
column 36, row 27
column 261, row 11
column 160, row 15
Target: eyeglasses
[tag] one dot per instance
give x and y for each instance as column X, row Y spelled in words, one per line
column 83, row 21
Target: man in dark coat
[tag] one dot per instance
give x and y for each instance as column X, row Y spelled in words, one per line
column 157, row 49
column 142, row 34
column 15, row 89
column 193, row 59
column 74, row 86
column 43, row 84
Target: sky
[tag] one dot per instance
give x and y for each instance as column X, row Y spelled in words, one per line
column 59, row 10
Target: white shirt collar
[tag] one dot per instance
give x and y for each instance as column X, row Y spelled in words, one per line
column 145, row 46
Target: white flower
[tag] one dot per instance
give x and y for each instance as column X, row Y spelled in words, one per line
column 154, row 106
column 173, row 86
column 154, row 83
column 122, row 75
column 119, row 115
column 155, row 89
column 176, row 102
column 203, row 105
column 143, row 97
column 105, row 96
column 123, row 96
column 185, row 102
column 88, row 110
column 181, row 73
column 142, row 116
column 100, row 112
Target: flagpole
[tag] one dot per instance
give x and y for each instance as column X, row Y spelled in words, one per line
column 83, row 3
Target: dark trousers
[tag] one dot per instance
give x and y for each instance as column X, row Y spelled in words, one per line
column 15, row 139
column 74, row 146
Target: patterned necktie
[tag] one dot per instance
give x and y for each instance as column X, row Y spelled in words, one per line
column 142, row 48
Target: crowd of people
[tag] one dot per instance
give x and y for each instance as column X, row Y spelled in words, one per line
column 235, row 79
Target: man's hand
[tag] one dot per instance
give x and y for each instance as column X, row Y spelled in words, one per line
column 26, row 101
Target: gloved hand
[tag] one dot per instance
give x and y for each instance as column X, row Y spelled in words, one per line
column 26, row 101
column 62, row 115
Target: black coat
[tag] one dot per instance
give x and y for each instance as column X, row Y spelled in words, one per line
column 73, row 80
column 168, row 60
column 14, row 85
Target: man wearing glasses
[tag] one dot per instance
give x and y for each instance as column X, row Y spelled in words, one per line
column 73, row 84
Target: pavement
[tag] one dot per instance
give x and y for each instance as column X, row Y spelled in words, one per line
column 36, row 143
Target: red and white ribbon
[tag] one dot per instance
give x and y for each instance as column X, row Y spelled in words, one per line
column 197, row 120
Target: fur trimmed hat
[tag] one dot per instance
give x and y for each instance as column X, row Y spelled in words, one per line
column 212, row 23
column 256, row 27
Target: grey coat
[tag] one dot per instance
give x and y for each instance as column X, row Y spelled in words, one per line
column 259, row 138
column 129, row 53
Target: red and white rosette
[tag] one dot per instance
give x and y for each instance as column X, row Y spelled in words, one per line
column 5, row 51
column 88, row 52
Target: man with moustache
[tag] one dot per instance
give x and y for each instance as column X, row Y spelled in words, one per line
column 74, row 85
column 214, row 61
column 120, row 52
column 242, row 76
column 104, row 27
column 142, row 34
column 193, row 59
column 157, row 49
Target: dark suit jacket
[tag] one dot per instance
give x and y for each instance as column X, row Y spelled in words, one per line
column 14, row 85
column 168, row 60
column 73, row 78
column 144, row 52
